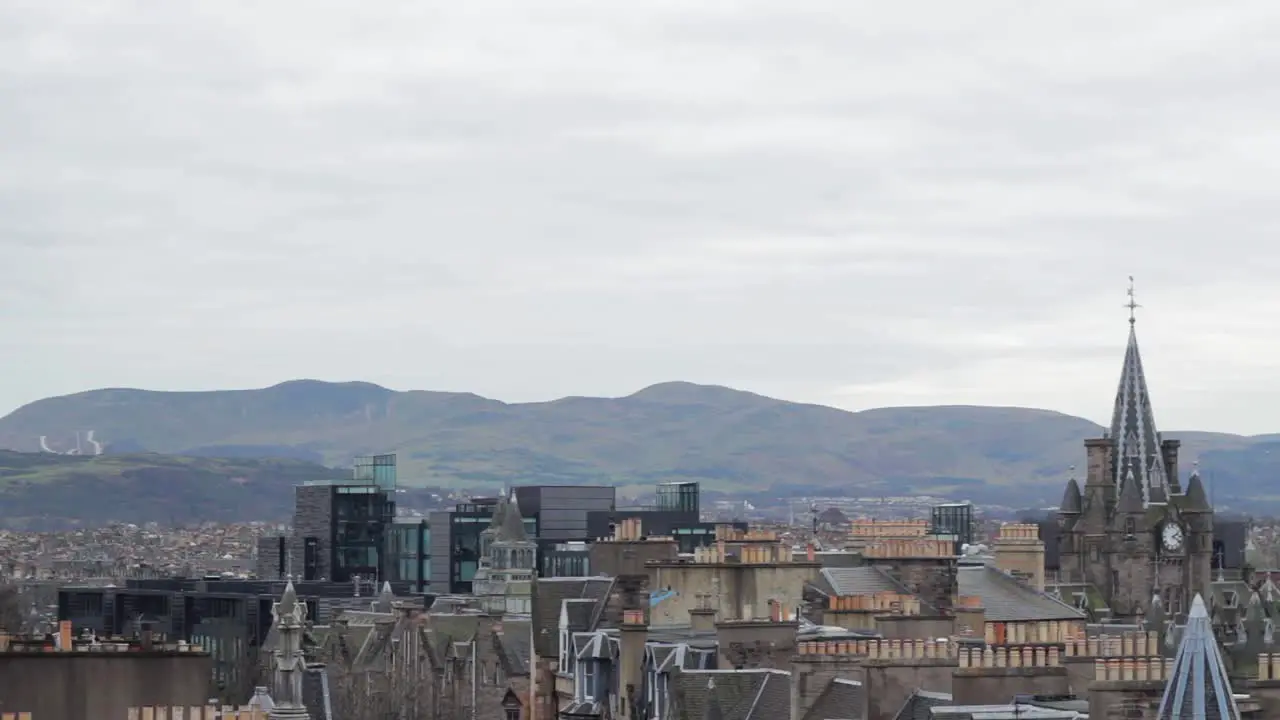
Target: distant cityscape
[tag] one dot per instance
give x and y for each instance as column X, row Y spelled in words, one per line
column 1132, row 595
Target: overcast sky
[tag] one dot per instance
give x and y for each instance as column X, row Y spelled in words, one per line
column 857, row 204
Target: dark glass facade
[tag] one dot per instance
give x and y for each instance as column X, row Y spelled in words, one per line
column 954, row 520
column 689, row 532
column 342, row 529
column 679, row 497
column 411, row 548
column 570, row 559
column 228, row 618
column 561, row 510
column 363, row 516
column 451, row 545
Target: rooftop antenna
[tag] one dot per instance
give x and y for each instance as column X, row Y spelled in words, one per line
column 1132, row 304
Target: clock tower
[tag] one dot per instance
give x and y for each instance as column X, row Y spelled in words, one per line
column 1133, row 532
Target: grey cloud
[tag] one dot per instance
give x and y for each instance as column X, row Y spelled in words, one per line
column 838, row 202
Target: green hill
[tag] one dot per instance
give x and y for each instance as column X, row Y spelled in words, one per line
column 727, row 438
column 42, row 490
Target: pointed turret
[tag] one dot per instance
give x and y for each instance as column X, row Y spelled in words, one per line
column 386, row 599
column 288, row 600
column 499, row 512
column 1138, row 457
column 1195, row 500
column 511, row 528
column 1130, row 501
column 1071, row 500
column 1198, row 686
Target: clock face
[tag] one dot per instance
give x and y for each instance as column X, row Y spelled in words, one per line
column 1172, row 535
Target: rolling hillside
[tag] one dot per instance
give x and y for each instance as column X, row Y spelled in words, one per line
column 42, row 490
column 726, row 438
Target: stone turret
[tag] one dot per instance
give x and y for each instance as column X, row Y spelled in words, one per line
column 290, row 618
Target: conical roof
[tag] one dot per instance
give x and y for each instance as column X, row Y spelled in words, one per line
column 499, row 511
column 386, row 598
column 511, row 527
column 288, row 600
column 1130, row 499
column 1195, row 496
column 1138, row 457
column 1198, row 687
column 1071, row 503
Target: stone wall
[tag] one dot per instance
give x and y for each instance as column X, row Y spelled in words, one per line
column 88, row 686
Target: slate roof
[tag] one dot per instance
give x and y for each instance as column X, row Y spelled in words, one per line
column 512, row 647
column 865, row 580
column 732, row 694
column 841, row 700
column 548, row 596
column 920, row 704
column 1008, row 600
column 580, row 612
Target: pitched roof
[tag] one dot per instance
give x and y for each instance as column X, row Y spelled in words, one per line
column 512, row 645
column 740, row 694
column 864, row 580
column 548, row 596
column 1198, row 687
column 1138, row 458
column 920, row 704
column 1008, row 600
column 842, row 698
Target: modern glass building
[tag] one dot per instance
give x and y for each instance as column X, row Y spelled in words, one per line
column 561, row 510
column 953, row 520
column 452, row 550
column 679, row 497
column 342, row 529
column 556, row 516
column 411, row 548
column 676, row 514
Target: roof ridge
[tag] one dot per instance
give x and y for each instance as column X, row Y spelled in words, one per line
column 756, row 700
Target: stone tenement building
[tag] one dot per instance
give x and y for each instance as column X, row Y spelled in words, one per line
column 1134, row 533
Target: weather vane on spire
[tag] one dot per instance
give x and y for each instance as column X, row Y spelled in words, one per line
column 1133, row 303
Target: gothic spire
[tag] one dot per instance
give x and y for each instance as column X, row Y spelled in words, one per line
column 1138, row 458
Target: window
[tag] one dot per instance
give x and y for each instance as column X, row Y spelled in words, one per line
column 409, row 569
column 1094, row 554
column 513, row 713
column 564, row 651
column 1130, row 526
column 586, row 679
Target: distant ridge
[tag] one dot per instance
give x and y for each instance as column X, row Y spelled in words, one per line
column 729, row 439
